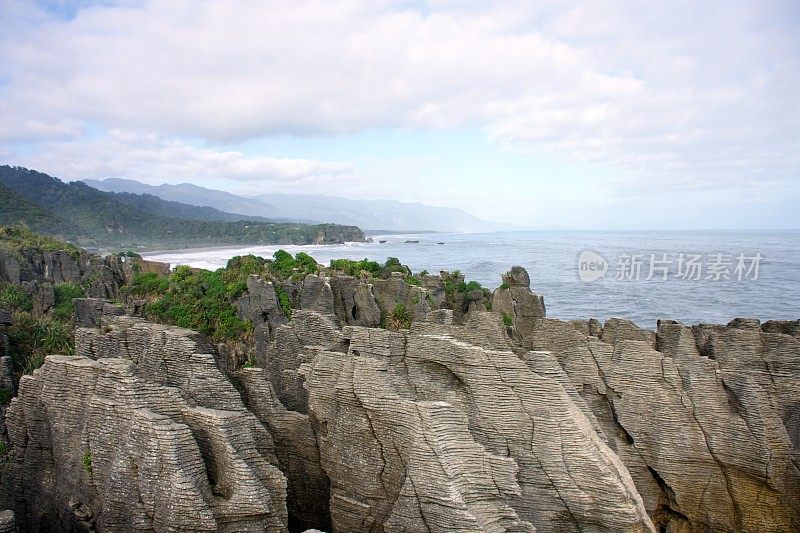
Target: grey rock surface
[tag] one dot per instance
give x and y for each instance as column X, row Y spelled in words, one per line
column 102, row 277
column 458, row 424
column 444, row 428
column 706, row 423
column 89, row 312
column 393, row 291
column 353, row 301
column 8, row 522
column 515, row 299
column 296, row 449
column 260, row 305
column 154, row 438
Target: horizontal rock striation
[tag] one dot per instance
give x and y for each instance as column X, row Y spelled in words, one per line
column 139, row 431
column 704, row 418
column 444, row 427
column 459, row 423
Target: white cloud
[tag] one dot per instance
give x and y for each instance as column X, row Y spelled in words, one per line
column 681, row 93
column 151, row 159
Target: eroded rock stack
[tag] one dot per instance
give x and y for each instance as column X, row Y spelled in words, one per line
column 458, row 423
column 139, row 431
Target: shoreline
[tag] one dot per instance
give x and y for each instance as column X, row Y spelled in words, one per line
column 144, row 254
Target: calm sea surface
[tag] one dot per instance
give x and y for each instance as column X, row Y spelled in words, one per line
column 624, row 290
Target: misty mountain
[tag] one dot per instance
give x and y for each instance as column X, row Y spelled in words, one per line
column 198, row 196
column 310, row 208
column 79, row 213
column 378, row 214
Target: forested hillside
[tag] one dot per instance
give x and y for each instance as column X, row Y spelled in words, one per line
column 16, row 209
column 85, row 215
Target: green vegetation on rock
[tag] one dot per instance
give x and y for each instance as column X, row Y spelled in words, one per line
column 283, row 300
column 19, row 238
column 147, row 284
column 64, row 294
column 31, row 338
column 196, row 299
column 87, row 462
column 15, row 298
column 366, row 268
column 363, row 268
column 399, row 318
column 413, row 280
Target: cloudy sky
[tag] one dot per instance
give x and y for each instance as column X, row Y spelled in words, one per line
column 584, row 114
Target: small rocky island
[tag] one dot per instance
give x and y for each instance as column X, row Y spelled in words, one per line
column 360, row 397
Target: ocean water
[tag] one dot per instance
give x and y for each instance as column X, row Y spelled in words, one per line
column 762, row 269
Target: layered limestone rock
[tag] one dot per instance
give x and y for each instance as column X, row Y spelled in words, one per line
column 139, row 431
column 704, row 418
column 458, row 423
column 445, row 428
column 101, row 277
column 296, row 448
column 515, row 299
column 395, row 291
column 89, row 312
column 353, row 301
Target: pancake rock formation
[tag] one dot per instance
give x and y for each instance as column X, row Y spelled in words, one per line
column 139, row 431
column 460, row 423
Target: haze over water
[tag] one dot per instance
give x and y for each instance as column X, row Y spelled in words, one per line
column 551, row 258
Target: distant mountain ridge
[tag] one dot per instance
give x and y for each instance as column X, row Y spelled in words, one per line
column 188, row 193
column 367, row 214
column 82, row 214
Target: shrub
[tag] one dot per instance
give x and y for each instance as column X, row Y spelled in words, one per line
column 87, row 462
column 306, row 263
column 14, row 298
column 469, row 287
column 32, row 338
column 245, row 265
column 202, row 301
column 356, row 268
column 399, row 318
column 283, row 300
column 237, row 271
column 413, row 280
column 508, row 321
column 148, row 284
column 393, row 262
column 283, row 264
column 504, row 285
column 64, row 294
column 17, row 238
